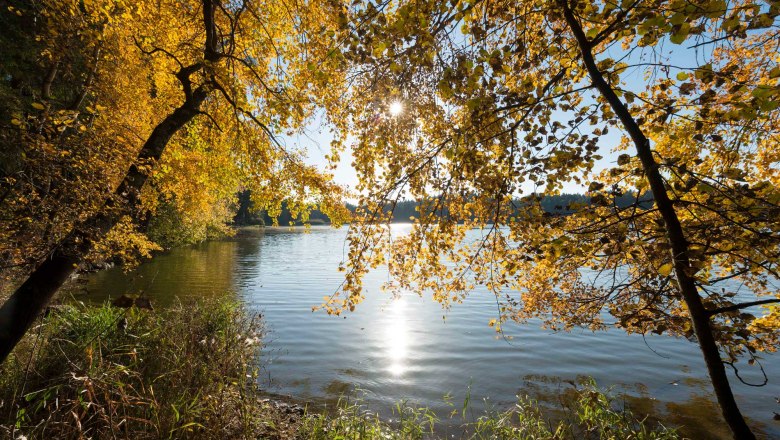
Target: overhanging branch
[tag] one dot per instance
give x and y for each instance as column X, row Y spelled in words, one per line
column 740, row 306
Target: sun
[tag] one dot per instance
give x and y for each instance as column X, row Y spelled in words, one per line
column 396, row 107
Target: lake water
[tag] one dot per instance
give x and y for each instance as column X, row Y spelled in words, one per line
column 404, row 349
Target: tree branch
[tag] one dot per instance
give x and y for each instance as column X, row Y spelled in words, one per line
column 739, row 306
column 47, row 82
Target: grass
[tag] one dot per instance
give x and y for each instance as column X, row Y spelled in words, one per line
column 191, row 372
column 592, row 414
column 105, row 372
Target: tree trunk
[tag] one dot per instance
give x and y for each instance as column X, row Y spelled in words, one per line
column 686, row 284
column 20, row 310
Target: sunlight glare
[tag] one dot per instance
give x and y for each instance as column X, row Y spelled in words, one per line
column 396, row 108
column 396, row 338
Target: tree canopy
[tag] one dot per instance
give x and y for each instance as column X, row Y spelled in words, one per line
column 124, row 120
column 117, row 109
column 86, row 83
column 505, row 98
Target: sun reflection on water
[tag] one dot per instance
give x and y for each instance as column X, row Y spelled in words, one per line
column 396, row 338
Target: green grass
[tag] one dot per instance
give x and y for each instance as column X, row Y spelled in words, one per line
column 190, row 371
column 591, row 414
column 104, row 372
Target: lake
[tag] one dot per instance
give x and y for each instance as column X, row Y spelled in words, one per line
column 411, row 349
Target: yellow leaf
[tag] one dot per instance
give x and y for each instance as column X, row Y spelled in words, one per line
column 665, row 269
column 38, row 106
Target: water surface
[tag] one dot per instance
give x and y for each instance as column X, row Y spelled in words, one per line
column 404, row 349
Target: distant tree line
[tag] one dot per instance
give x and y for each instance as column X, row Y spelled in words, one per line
column 247, row 215
column 406, row 210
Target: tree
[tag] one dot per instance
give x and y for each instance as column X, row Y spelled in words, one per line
column 504, row 98
column 107, row 87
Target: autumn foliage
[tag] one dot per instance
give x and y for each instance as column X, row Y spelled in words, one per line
column 476, row 109
column 507, row 102
column 95, row 78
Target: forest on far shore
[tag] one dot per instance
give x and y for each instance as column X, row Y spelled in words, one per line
column 406, row 210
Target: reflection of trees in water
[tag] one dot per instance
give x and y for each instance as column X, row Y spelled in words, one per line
column 248, row 255
column 205, row 270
